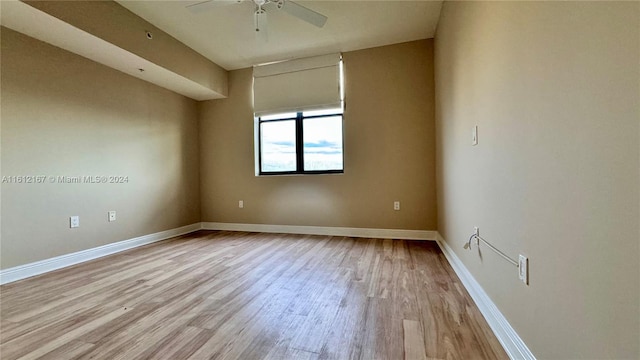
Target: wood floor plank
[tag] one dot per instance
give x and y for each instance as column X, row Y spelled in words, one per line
column 346, row 333
column 33, row 347
column 239, row 295
column 67, row 351
column 413, row 341
column 318, row 322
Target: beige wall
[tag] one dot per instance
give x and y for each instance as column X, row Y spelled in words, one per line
column 65, row 115
column 554, row 89
column 389, row 142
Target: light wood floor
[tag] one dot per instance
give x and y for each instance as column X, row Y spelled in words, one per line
column 234, row 295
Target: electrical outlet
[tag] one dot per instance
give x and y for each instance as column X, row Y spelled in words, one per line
column 112, row 216
column 241, row 204
column 396, row 205
column 74, row 221
column 523, row 269
column 476, row 232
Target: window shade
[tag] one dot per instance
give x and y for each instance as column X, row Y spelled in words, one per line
column 297, row 85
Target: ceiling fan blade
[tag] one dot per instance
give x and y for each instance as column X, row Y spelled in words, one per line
column 260, row 18
column 303, row 13
column 210, row 4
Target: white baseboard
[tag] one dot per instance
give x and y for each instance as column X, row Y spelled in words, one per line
column 325, row 230
column 43, row 266
column 510, row 340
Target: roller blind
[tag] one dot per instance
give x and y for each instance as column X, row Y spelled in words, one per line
column 297, row 85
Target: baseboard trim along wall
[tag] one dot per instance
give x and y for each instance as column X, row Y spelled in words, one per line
column 59, row 262
column 325, row 230
column 510, row 340
column 40, row 267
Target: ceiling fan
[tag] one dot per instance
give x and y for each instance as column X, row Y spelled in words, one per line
column 260, row 14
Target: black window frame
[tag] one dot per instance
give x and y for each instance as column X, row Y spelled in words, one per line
column 299, row 120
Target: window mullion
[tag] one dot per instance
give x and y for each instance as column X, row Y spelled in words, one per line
column 299, row 144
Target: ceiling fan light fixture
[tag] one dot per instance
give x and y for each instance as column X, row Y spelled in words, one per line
column 292, row 8
column 260, row 21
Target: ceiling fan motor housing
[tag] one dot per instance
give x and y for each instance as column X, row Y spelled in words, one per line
column 260, row 15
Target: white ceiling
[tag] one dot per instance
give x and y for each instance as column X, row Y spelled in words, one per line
column 226, row 36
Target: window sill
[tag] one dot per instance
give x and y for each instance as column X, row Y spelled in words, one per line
column 336, row 172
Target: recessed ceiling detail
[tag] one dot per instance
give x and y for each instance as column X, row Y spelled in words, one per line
column 204, row 80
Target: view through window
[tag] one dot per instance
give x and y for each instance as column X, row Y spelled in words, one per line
column 307, row 142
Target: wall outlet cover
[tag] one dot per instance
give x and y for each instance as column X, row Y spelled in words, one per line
column 523, row 269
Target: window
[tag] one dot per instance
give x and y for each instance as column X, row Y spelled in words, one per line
column 298, row 112
column 306, row 142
